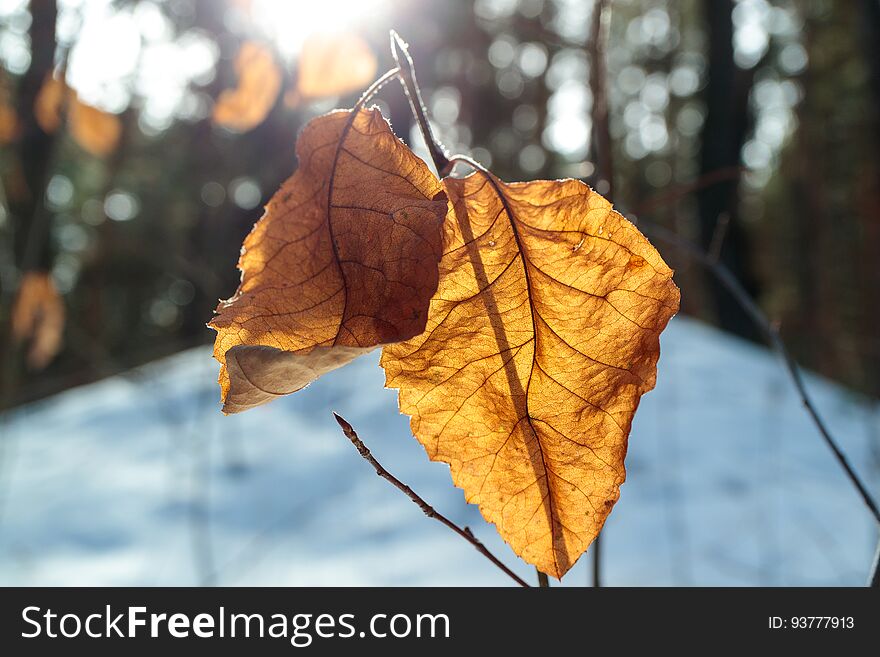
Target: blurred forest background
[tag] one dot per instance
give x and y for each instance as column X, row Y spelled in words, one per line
column 139, row 140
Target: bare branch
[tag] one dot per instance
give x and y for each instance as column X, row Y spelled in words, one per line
column 718, row 235
column 599, row 30
column 771, row 332
column 426, row 508
column 596, row 549
column 407, row 76
column 680, row 191
column 373, row 89
column 598, row 83
column 543, row 580
column 874, row 579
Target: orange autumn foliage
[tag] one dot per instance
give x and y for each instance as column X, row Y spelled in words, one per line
column 521, row 331
column 49, row 102
column 38, row 318
column 259, row 83
column 95, row 130
column 9, row 125
column 332, row 65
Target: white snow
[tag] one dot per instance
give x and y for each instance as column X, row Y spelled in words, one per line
column 139, row 480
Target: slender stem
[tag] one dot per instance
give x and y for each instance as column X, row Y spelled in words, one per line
column 597, row 561
column 874, row 580
column 680, row 191
column 771, row 332
column 471, row 162
column 426, row 508
column 718, row 235
column 543, row 580
column 374, row 88
column 599, row 31
column 407, row 76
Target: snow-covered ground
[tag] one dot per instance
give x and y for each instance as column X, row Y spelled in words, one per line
column 139, row 480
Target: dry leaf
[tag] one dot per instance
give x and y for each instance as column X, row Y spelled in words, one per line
column 344, row 259
column 542, row 337
column 259, row 83
column 48, row 104
column 38, row 317
column 9, row 125
column 94, row 130
column 332, row 65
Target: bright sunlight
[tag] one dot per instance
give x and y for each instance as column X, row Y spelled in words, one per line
column 288, row 22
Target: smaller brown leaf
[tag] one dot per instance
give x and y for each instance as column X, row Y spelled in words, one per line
column 332, row 65
column 95, row 130
column 38, row 317
column 259, row 83
column 343, row 260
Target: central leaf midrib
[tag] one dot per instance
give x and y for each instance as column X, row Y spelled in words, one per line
column 339, row 148
column 521, row 254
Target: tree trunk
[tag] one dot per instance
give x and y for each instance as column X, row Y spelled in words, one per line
column 726, row 97
column 32, row 244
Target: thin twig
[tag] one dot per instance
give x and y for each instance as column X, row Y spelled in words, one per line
column 718, row 235
column 426, row 508
column 543, row 580
column 596, row 549
column 704, row 181
column 771, row 332
column 199, row 514
column 407, row 76
column 599, row 31
column 375, row 87
column 874, row 579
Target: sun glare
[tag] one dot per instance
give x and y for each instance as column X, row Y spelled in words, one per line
column 128, row 52
column 289, row 23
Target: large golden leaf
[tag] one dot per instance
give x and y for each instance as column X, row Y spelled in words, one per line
column 259, row 83
column 542, row 337
column 344, row 259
